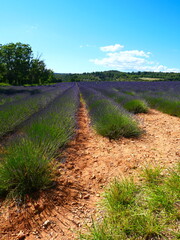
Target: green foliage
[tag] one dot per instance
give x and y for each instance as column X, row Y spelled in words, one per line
column 116, row 125
column 160, row 200
column 120, row 194
column 27, row 164
column 24, row 169
column 17, row 66
column 172, row 182
column 14, row 114
column 165, row 105
column 117, row 76
column 38, row 73
column 4, row 84
column 139, row 211
column 136, row 106
column 129, row 93
column 51, row 132
column 111, row 123
column 152, row 175
column 130, row 103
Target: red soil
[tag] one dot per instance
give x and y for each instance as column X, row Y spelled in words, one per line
column 91, row 161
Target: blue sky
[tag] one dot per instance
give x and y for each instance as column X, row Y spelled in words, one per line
column 96, row 35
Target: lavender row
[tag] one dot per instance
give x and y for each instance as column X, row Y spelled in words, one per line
column 15, row 113
column 14, row 94
column 108, row 118
column 171, row 88
column 132, row 103
column 164, row 96
column 28, row 164
column 53, row 127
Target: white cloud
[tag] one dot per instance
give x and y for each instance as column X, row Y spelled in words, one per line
column 112, row 48
column 131, row 60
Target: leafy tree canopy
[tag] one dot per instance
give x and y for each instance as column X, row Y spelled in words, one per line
column 18, row 67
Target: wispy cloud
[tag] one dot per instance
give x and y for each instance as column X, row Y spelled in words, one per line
column 111, row 48
column 32, row 28
column 87, row 46
column 130, row 60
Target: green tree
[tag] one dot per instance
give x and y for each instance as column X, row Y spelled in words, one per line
column 18, row 67
column 16, row 58
column 40, row 73
column 2, row 72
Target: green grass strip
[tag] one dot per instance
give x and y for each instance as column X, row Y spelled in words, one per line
column 146, row 210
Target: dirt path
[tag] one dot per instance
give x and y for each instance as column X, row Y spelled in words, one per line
column 91, row 162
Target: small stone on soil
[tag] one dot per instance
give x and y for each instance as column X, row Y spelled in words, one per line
column 21, row 235
column 87, row 196
column 46, row 223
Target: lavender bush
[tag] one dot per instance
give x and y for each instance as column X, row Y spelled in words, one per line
column 108, row 118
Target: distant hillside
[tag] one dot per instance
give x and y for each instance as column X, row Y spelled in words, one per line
column 117, row 76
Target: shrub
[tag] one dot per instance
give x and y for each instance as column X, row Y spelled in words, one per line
column 136, row 106
column 24, row 169
column 165, row 105
column 116, row 125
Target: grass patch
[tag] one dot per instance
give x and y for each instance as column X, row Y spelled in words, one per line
column 5, row 84
column 120, row 194
column 152, row 175
column 172, row 182
column 146, row 210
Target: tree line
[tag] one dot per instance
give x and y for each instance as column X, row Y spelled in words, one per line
column 118, row 76
column 18, row 67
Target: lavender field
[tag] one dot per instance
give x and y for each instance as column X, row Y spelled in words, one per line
column 39, row 124
column 43, row 119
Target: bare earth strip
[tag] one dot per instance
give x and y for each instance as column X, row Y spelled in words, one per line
column 91, row 161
